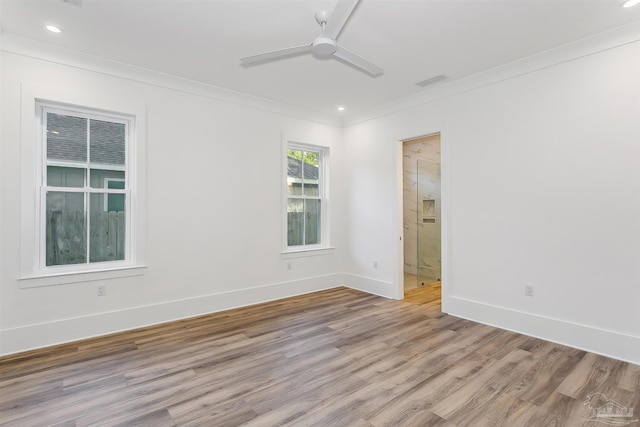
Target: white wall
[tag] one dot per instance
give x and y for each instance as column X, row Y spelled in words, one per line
column 541, row 168
column 209, row 164
column 1, row 177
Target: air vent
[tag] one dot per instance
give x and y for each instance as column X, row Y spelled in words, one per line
column 432, row 80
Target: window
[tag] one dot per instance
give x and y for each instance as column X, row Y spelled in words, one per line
column 306, row 196
column 114, row 202
column 85, row 188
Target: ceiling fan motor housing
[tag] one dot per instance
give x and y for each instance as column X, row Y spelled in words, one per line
column 323, row 46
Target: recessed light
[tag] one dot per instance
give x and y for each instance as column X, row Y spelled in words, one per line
column 630, row 3
column 54, row 28
column 341, row 108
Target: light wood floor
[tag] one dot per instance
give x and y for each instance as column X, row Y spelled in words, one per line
column 412, row 281
column 333, row 358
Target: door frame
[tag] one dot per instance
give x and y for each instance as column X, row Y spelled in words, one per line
column 445, row 225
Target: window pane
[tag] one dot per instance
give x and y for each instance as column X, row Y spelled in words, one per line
column 66, row 229
column 312, row 158
column 107, row 229
column 312, row 222
column 310, row 173
column 66, row 145
column 66, row 138
column 115, row 202
column 115, row 183
column 311, row 188
column 107, row 142
column 65, row 177
column 294, row 172
column 295, row 222
column 100, row 178
column 107, row 151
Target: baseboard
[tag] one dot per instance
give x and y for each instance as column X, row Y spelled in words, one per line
column 369, row 285
column 607, row 343
column 41, row 335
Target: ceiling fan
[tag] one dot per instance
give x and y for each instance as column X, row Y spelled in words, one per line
column 325, row 44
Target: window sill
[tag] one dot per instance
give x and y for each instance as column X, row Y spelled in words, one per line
column 80, row 276
column 301, row 253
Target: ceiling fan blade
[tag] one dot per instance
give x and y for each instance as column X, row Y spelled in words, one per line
column 275, row 54
column 358, row 61
column 339, row 17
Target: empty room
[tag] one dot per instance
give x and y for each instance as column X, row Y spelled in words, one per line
column 319, row 213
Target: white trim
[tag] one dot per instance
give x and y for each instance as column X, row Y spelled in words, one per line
column 106, row 167
column 596, row 340
column 590, row 338
column 299, row 180
column 29, row 337
column 370, row 285
column 86, row 190
column 568, row 52
column 608, row 343
column 58, row 55
column 307, row 252
column 399, row 221
column 106, row 194
column 65, row 108
column 83, row 165
column 66, row 163
column 596, row 43
column 62, row 278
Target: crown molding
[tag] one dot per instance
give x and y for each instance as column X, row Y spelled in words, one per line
column 600, row 42
column 71, row 58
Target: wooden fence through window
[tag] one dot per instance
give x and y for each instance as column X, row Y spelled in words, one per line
column 67, row 238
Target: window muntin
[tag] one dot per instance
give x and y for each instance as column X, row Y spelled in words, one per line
column 305, row 196
column 85, row 193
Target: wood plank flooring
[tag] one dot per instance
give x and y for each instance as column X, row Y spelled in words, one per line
column 333, row 358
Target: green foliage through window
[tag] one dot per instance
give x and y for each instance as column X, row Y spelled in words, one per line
column 310, row 157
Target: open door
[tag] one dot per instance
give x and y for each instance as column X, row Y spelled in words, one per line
column 422, row 212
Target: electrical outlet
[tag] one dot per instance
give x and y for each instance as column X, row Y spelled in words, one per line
column 375, row 264
column 102, row 290
column 289, row 266
column 528, row 290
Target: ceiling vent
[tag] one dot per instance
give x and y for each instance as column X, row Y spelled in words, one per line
column 432, row 80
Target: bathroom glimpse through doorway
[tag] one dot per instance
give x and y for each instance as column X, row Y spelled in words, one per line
column 422, row 213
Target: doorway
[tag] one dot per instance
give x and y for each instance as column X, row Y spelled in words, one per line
column 422, row 212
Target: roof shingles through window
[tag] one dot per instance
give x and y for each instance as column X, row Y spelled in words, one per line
column 67, row 140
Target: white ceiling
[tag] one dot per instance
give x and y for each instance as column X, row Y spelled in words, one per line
column 411, row 39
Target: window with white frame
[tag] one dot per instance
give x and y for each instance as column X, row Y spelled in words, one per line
column 85, row 188
column 306, row 196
